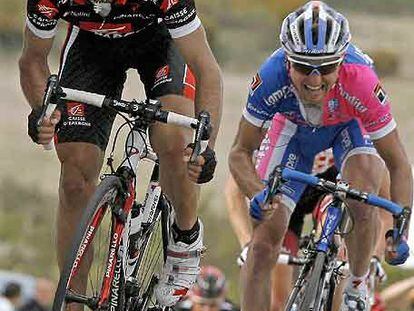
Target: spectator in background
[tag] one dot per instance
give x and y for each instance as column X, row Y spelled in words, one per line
column 208, row 293
column 43, row 298
column 11, row 298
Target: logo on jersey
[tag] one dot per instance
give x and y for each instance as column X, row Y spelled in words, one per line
column 346, row 141
column 353, row 100
column 333, row 108
column 109, row 30
column 76, row 115
column 162, row 73
column 76, row 110
column 292, row 161
column 167, row 4
column 161, row 76
column 256, row 82
column 283, row 93
column 47, row 9
column 333, row 105
column 380, row 94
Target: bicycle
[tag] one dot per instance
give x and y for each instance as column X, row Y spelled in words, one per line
column 121, row 244
column 315, row 285
column 376, row 272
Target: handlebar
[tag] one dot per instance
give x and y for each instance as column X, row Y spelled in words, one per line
column 402, row 214
column 146, row 112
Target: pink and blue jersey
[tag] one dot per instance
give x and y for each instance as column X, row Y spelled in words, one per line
column 355, row 112
column 358, row 94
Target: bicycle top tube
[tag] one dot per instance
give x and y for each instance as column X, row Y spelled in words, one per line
column 330, row 187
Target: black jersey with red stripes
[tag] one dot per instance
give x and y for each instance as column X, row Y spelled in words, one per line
column 117, row 19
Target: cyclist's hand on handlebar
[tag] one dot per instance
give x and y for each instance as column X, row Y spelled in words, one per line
column 259, row 210
column 43, row 133
column 397, row 251
column 202, row 170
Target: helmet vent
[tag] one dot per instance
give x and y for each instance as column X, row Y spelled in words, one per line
column 328, row 30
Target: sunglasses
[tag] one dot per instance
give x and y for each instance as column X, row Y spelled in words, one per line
column 308, row 69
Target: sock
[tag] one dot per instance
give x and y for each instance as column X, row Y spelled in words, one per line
column 358, row 283
column 186, row 236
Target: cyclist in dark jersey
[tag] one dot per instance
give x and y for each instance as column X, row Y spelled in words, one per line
column 162, row 40
column 208, row 293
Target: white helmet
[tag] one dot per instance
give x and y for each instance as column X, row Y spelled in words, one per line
column 315, row 33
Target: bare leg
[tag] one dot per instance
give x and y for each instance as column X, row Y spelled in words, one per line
column 281, row 286
column 263, row 252
column 386, row 220
column 238, row 212
column 169, row 143
column 363, row 172
column 80, row 167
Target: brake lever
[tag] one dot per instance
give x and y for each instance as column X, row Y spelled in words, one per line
column 275, row 180
column 202, row 135
column 50, row 92
column 402, row 222
column 49, row 104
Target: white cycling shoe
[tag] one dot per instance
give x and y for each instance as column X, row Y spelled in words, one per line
column 354, row 300
column 180, row 270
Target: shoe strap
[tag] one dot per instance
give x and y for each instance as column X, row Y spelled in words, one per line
column 185, row 254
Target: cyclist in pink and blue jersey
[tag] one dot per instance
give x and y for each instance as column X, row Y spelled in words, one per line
column 325, row 94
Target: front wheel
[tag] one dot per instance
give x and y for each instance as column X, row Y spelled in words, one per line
column 313, row 289
column 93, row 274
column 153, row 244
column 307, row 289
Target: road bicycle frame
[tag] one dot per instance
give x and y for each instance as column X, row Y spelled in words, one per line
column 143, row 114
column 322, row 254
column 341, row 191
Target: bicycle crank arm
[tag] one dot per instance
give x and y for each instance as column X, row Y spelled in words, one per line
column 90, row 302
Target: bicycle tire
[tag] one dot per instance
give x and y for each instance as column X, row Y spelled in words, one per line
column 296, row 296
column 325, row 293
column 92, row 219
column 151, row 258
column 330, row 294
column 309, row 302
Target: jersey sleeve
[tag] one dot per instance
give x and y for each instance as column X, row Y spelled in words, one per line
column 42, row 18
column 180, row 17
column 377, row 118
column 259, row 110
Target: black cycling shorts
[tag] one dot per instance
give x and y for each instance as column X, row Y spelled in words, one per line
column 97, row 64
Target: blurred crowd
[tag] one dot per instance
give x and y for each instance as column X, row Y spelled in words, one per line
column 209, row 293
column 15, row 295
column 25, row 293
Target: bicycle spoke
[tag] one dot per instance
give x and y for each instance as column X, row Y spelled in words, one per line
column 153, row 263
column 83, row 276
column 99, row 257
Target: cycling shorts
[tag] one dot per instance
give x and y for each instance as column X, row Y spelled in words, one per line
column 96, row 64
column 294, row 146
